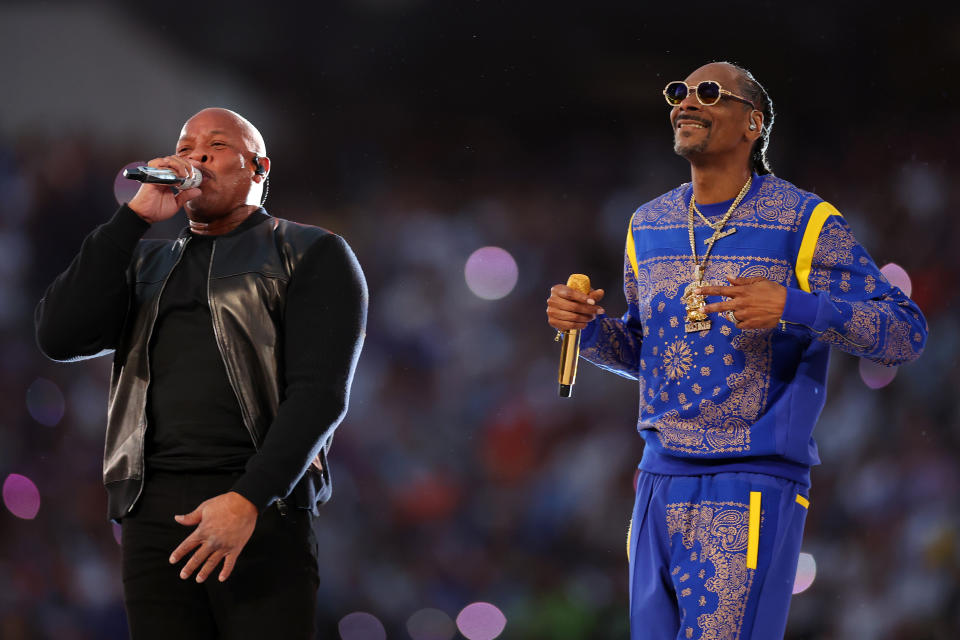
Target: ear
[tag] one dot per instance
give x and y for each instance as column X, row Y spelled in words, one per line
column 261, row 166
column 756, row 122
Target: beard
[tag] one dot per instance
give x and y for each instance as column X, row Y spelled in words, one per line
column 685, row 149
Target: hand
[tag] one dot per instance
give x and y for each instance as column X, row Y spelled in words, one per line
column 570, row 309
column 157, row 202
column 756, row 303
column 225, row 524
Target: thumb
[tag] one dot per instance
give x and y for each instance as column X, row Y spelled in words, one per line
column 596, row 295
column 184, row 196
column 191, row 518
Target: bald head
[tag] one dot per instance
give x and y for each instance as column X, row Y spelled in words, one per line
column 216, row 118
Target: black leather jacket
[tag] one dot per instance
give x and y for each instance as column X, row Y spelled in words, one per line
column 248, row 279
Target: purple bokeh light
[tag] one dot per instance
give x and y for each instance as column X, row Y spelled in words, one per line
column 481, row 621
column 21, row 496
column 491, row 273
column 124, row 188
column 361, row 626
column 45, row 402
column 431, row 624
column 806, row 572
column 897, row 276
column 876, row 376
column 117, row 532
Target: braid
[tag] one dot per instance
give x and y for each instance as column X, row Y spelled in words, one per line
column 755, row 92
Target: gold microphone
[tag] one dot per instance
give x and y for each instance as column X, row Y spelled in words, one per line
column 570, row 351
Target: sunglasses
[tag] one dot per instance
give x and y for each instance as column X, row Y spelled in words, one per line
column 708, row 93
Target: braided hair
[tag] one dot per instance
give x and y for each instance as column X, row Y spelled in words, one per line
column 754, row 91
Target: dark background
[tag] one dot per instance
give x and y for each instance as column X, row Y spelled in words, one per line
column 421, row 131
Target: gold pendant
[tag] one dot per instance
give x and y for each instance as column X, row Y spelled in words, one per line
column 697, row 320
column 722, row 234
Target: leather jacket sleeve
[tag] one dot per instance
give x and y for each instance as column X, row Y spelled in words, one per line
column 82, row 312
column 323, row 329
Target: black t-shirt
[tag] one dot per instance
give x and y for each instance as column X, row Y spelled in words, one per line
column 195, row 422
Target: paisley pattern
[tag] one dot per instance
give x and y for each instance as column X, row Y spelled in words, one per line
column 716, row 534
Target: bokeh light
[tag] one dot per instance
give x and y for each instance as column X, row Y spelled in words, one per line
column 45, row 402
column 876, row 376
column 806, row 572
column 117, row 532
column 360, row 625
column 124, row 188
column 21, row 496
column 481, row 621
column 431, row 624
column 491, row 273
column 897, row 276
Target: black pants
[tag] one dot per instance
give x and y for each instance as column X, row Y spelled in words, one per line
column 270, row 594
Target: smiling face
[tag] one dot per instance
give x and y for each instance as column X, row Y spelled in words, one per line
column 221, row 144
column 720, row 130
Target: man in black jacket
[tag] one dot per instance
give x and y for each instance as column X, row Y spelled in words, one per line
column 235, row 347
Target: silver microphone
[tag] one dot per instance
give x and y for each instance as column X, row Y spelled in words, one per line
column 152, row 175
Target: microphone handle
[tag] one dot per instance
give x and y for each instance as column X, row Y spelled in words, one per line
column 152, row 175
column 569, row 356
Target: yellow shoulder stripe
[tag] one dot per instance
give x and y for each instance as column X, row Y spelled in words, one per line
column 809, row 243
column 632, row 249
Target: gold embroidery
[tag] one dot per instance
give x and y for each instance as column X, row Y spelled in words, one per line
column 703, row 599
column 673, row 321
column 661, row 307
column 721, row 531
column 689, row 632
column 725, row 330
column 708, row 349
column 677, row 359
column 686, row 592
column 696, row 388
column 682, row 398
column 705, row 371
column 869, row 284
column 728, row 359
column 660, row 332
column 664, row 396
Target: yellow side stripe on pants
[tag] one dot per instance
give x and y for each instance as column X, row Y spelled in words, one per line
column 629, row 531
column 753, row 531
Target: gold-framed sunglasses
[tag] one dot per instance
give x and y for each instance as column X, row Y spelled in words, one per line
column 708, row 93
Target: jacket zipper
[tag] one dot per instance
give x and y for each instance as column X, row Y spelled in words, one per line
column 143, row 413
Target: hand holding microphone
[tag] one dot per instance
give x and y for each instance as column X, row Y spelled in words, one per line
column 569, row 308
column 155, row 201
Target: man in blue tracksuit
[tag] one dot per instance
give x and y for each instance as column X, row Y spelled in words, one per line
column 737, row 284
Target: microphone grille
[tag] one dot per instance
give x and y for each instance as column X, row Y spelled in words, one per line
column 579, row 282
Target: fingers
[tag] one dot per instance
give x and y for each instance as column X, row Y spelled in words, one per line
column 191, row 542
column 741, row 281
column 198, row 558
column 191, row 518
column 175, row 163
column 228, row 565
column 210, row 565
column 570, row 309
column 596, row 295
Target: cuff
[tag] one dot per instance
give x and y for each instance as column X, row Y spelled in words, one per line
column 800, row 308
column 254, row 491
column 125, row 228
column 591, row 333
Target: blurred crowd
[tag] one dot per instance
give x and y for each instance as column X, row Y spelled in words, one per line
column 459, row 475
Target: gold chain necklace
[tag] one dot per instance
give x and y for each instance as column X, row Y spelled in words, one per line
column 697, row 320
